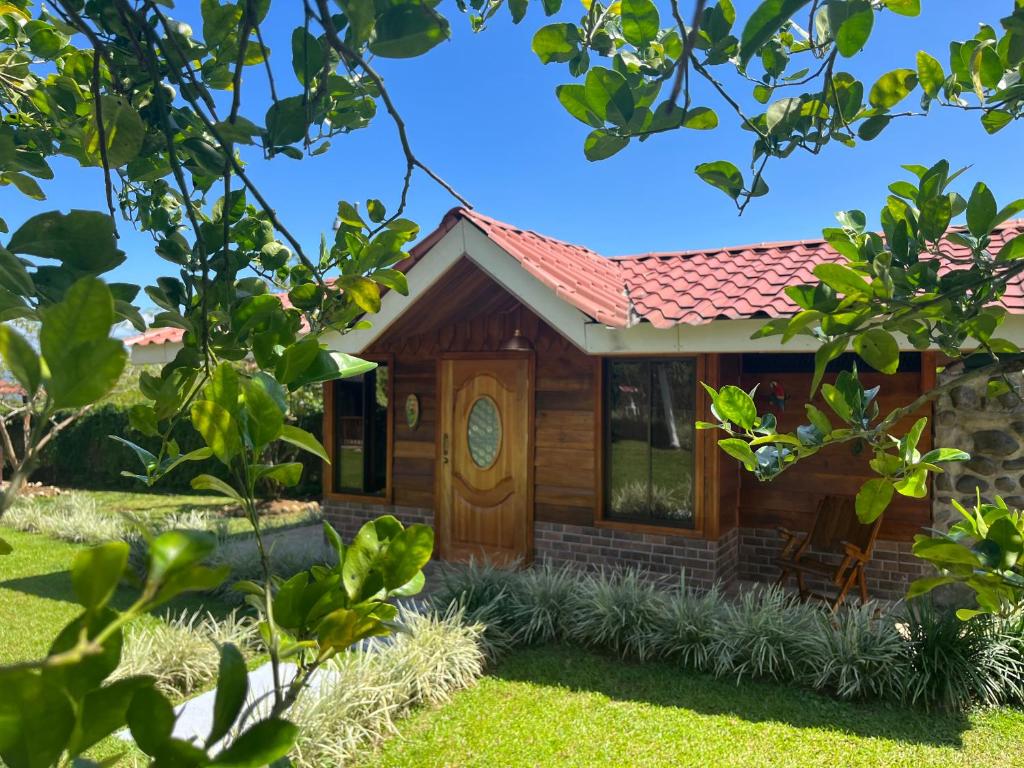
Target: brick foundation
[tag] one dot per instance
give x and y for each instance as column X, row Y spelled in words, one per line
column 746, row 554
column 890, row 571
column 348, row 517
column 704, row 562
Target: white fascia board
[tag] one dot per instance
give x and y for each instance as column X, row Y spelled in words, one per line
column 506, row 270
column 153, row 354
column 424, row 273
column 726, row 336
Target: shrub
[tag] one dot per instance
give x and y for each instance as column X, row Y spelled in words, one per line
column 617, row 610
column 360, row 695
column 687, row 629
column 539, row 601
column 485, row 594
column 69, row 516
column 855, row 654
column 182, row 654
column 953, row 664
column 288, row 555
column 762, row 635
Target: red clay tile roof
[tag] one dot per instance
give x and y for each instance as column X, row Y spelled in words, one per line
column 664, row 289
column 577, row 275
column 696, row 287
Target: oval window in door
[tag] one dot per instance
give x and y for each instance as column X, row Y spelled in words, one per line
column 483, row 432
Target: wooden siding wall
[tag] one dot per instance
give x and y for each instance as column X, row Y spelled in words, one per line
column 566, row 441
column 791, row 499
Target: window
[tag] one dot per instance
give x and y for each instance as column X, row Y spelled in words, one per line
column 361, row 433
column 650, row 441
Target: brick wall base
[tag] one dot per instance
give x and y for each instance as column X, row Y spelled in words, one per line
column 746, row 554
column 703, row 562
column 348, row 517
column 889, row 573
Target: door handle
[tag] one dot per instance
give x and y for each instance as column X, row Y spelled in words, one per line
column 444, row 448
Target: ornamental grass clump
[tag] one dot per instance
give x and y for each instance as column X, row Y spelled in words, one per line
column 539, row 601
column 856, row 654
column 616, row 610
column 288, row 554
column 182, row 654
column 953, row 664
column 761, row 634
column 486, row 595
column 72, row 517
column 356, row 703
column 688, row 628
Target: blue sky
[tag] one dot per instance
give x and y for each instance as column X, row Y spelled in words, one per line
column 481, row 111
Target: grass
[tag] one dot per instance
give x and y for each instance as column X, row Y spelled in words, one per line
column 558, row 707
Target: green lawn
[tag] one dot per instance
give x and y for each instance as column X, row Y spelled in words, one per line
column 559, row 707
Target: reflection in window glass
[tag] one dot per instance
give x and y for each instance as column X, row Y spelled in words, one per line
column 361, row 433
column 651, row 410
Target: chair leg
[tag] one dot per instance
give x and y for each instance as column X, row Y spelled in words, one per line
column 863, row 580
column 801, row 585
column 847, row 585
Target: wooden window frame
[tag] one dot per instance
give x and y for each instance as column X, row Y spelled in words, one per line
column 700, row 529
column 327, row 476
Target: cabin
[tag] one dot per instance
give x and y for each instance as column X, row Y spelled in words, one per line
column 535, row 401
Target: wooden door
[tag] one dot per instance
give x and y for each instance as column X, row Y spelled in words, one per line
column 485, row 480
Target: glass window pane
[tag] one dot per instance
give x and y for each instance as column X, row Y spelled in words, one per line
column 629, row 427
column 651, row 409
column 672, row 441
column 483, row 432
column 360, row 433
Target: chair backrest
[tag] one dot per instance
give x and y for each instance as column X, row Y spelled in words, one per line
column 836, row 522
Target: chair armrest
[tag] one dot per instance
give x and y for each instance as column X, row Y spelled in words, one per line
column 852, row 550
column 792, row 542
column 789, row 535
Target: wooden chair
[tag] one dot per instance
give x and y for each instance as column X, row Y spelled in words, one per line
column 842, row 538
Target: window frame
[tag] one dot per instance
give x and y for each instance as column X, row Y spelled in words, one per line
column 603, row 474
column 327, row 471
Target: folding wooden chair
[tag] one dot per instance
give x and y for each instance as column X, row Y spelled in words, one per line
column 837, row 548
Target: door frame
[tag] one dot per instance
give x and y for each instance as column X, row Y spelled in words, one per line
column 440, row 503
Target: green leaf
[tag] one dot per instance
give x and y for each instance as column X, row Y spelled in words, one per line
column 936, row 213
column 304, row 440
column 262, row 744
column 574, row 98
column 939, row 455
column 995, row 120
column 764, row 22
column 175, row 550
column 264, row 417
column 406, row 555
column 914, row 484
column 923, row 586
column 855, row 29
column 103, row 711
column 206, row 482
column 873, row 499
column 408, row 30
column 1012, row 249
column 837, row 402
column 824, row 355
column 609, row 96
column 699, row 119
column 739, row 449
column 232, row 688
column 83, row 240
column 287, row 475
column 930, row 74
column 36, row 720
column 843, row 279
column 224, row 388
column 96, row 572
column 20, row 359
column 723, row 175
column 307, row 55
column 640, row 22
column 892, row 87
column 602, row 144
column 904, row 7
column 13, row 275
column 296, row 359
column 981, row 210
column 878, row 348
column 733, row 404
column 84, row 363
column 363, row 291
column 556, row 43
column 150, row 719
column 218, row 428
column 123, row 130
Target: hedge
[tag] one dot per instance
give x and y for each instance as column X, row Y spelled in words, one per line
column 84, row 456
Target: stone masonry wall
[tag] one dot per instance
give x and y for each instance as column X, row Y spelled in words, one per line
column 992, row 431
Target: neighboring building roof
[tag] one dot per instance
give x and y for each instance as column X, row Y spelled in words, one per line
column 11, row 389
column 664, row 289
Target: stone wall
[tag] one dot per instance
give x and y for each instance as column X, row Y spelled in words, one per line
column 889, row 573
column 992, row 431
